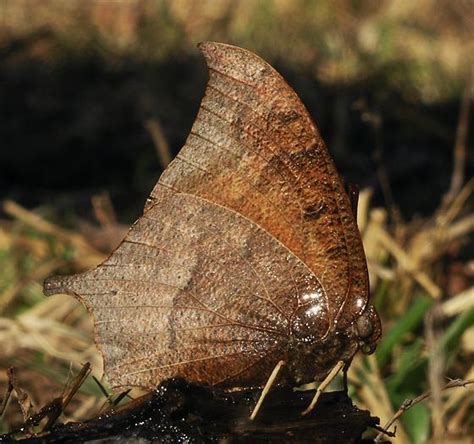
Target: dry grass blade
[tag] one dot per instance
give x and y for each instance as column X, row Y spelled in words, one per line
column 53, row 338
column 104, row 210
column 53, row 409
column 38, row 274
column 456, row 396
column 44, row 328
column 159, row 140
column 363, row 209
column 68, row 394
column 457, row 177
column 455, row 424
column 436, row 369
column 406, row 263
column 376, row 254
column 459, row 303
column 462, row 399
column 460, row 228
column 406, row 258
column 448, row 213
column 372, row 391
column 23, row 398
column 7, row 395
column 38, row 223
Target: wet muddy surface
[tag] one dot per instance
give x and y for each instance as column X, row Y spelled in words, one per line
column 183, row 412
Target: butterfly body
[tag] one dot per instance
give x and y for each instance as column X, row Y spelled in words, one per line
column 247, row 253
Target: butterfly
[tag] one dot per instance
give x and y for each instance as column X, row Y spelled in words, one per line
column 247, row 254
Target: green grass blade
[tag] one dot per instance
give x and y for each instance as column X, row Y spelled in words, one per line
column 407, row 323
column 450, row 340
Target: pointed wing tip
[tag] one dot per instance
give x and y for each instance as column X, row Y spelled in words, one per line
column 208, row 48
column 208, row 45
column 202, row 45
column 212, row 50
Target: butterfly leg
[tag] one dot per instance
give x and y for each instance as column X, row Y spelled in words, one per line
column 332, row 374
column 266, row 389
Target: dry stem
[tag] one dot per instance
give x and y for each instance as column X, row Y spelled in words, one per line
column 409, row 403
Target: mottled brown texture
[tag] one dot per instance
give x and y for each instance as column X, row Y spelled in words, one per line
column 247, row 253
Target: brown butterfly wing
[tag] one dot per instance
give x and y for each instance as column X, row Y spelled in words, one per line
column 247, row 224
column 196, row 291
column 253, row 148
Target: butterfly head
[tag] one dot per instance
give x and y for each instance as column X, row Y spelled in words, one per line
column 368, row 329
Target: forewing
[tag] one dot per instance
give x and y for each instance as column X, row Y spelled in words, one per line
column 254, row 149
column 194, row 290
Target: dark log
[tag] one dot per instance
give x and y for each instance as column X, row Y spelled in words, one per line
column 182, row 412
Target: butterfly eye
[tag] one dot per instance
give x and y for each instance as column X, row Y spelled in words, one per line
column 364, row 326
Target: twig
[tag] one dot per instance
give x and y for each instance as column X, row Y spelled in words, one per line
column 76, row 385
column 409, row 403
column 385, row 432
column 53, row 409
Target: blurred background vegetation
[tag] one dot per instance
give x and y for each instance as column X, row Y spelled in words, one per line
column 97, row 95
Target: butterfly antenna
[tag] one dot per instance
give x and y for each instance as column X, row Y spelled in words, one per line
column 266, row 389
column 329, row 378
